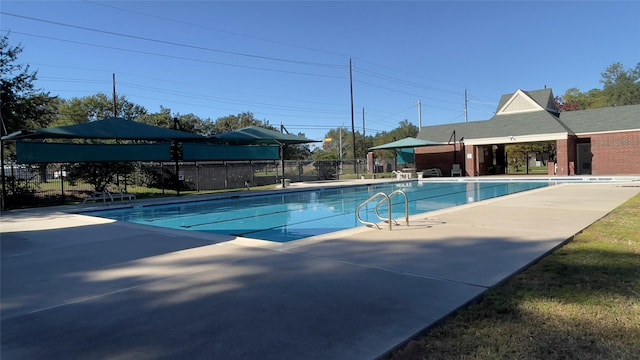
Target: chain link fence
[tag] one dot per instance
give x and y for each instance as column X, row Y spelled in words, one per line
column 27, row 186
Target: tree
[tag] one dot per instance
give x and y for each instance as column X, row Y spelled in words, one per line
column 100, row 175
column 96, row 107
column 336, row 141
column 195, row 125
column 297, row 151
column 564, row 105
column 621, row 87
column 23, row 106
column 235, row 122
column 161, row 119
column 405, row 129
column 327, row 164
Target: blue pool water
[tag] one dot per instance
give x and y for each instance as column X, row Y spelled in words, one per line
column 295, row 215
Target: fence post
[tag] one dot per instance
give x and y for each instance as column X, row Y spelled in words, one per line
column 62, row 183
column 253, row 173
column 195, row 163
column 162, row 174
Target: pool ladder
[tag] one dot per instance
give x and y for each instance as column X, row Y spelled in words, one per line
column 384, row 198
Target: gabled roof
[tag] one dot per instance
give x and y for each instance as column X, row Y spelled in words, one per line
column 524, row 101
column 502, row 126
column 442, row 133
column 617, row 118
column 536, row 119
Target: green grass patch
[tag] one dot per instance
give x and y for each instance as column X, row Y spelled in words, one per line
column 522, row 170
column 580, row 302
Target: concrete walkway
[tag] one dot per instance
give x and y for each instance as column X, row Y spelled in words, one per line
column 80, row 287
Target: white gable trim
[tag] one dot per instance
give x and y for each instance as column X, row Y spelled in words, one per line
column 520, row 95
column 516, row 139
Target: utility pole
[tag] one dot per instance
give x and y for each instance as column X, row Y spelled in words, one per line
column 364, row 139
column 419, row 115
column 353, row 124
column 115, row 101
column 466, row 106
column 340, row 171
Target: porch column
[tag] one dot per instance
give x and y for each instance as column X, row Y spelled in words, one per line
column 564, row 156
column 470, row 160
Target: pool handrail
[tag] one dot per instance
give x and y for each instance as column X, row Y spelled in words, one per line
column 406, row 204
column 385, row 198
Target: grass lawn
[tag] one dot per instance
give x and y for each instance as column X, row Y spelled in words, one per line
column 533, row 170
column 580, row 302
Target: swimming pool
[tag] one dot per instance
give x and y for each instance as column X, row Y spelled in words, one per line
column 294, row 215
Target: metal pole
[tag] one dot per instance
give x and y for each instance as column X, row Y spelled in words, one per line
column 340, row 165
column 282, row 163
column 115, row 99
column 364, row 138
column 353, row 124
column 62, row 183
column 177, row 165
column 466, row 106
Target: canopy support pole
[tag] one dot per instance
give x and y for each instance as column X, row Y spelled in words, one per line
column 282, row 163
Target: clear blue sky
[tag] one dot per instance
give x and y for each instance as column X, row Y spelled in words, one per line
column 288, row 62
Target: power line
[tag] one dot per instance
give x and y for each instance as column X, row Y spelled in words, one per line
column 179, row 57
column 165, row 81
column 413, row 75
column 401, row 81
column 213, row 28
column 174, row 43
column 406, row 93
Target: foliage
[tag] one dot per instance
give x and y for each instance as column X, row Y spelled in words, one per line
column 518, row 153
column 620, row 87
column 235, row 122
column 297, row 151
column 195, row 125
column 23, row 106
column 405, row 129
column 19, row 191
column 338, row 141
column 342, row 139
column 99, row 175
column 161, row 177
column 96, row 107
column 327, row 164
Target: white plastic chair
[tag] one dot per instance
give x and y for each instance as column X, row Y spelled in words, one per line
column 456, row 170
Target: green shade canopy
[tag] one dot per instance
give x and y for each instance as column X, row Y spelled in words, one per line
column 254, row 135
column 34, row 152
column 408, row 142
column 109, row 128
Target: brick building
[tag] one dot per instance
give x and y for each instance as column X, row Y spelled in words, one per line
column 602, row 141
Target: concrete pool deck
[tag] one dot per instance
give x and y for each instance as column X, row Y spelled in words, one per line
column 74, row 286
